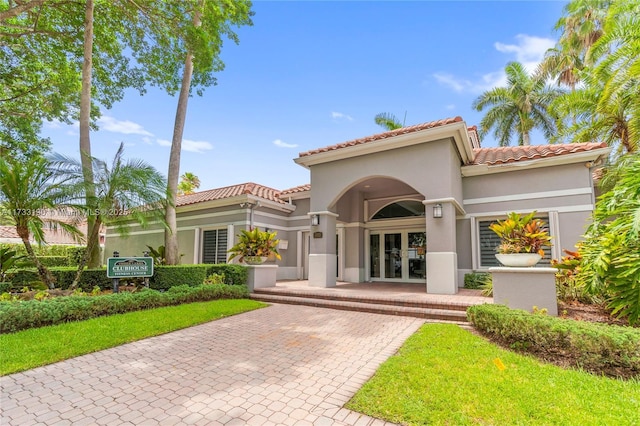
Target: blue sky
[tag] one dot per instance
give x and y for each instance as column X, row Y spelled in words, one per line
column 311, row 74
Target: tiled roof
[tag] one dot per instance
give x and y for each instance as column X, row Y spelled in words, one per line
column 50, row 236
column 511, row 154
column 296, row 190
column 385, row 135
column 231, row 191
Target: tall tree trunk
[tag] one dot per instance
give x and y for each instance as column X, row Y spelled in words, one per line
column 91, row 241
column 526, row 139
column 85, row 140
column 43, row 272
column 171, row 234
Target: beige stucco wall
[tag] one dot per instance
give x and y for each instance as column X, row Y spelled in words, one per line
column 432, row 169
column 562, row 192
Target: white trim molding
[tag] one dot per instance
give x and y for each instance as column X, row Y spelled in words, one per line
column 528, row 196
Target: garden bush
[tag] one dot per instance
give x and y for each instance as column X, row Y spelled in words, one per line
column 475, row 280
column 233, row 274
column 21, row 315
column 598, row 348
column 75, row 255
column 64, row 276
column 165, row 277
column 51, row 261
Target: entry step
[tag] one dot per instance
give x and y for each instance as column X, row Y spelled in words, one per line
column 438, row 314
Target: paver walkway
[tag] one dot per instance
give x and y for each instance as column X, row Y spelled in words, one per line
column 281, row 365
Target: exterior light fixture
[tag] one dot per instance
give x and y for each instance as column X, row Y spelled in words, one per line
column 315, row 220
column 437, row 211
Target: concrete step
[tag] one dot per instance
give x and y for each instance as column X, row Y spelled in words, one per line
column 373, row 299
column 430, row 314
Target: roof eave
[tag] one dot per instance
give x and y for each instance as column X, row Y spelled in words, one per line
column 457, row 130
column 586, row 156
column 237, row 199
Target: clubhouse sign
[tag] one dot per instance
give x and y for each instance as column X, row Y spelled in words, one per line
column 126, row 267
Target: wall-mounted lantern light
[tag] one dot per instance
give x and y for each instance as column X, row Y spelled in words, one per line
column 437, row 211
column 315, row 220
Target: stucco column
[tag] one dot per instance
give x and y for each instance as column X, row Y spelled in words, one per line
column 322, row 250
column 441, row 256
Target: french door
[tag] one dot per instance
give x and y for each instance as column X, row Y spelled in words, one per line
column 397, row 255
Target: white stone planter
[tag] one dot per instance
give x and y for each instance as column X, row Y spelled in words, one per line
column 254, row 260
column 524, row 288
column 519, row 259
column 260, row 276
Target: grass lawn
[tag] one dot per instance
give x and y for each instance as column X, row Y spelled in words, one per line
column 444, row 375
column 40, row 346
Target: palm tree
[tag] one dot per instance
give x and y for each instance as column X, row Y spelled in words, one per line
column 188, row 183
column 595, row 120
column 584, row 21
column 563, row 63
column 389, row 121
column 125, row 192
column 29, row 189
column 518, row 108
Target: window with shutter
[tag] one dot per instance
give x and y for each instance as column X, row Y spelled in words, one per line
column 214, row 246
column 489, row 241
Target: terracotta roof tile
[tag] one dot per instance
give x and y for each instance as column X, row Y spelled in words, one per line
column 385, row 135
column 297, row 189
column 248, row 188
column 512, row 154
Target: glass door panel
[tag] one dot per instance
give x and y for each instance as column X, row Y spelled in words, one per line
column 417, row 247
column 393, row 255
column 374, row 245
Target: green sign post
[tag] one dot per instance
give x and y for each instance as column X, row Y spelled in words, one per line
column 128, row 267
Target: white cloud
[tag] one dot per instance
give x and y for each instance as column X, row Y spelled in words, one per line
column 53, row 124
column 196, row 146
column 340, row 116
column 147, row 140
column 163, row 142
column 457, row 84
column 126, row 127
column 281, row 144
column 529, row 50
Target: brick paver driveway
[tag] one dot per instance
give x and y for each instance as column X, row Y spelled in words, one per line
column 281, row 365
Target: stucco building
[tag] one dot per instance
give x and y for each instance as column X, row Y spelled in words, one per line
column 409, row 205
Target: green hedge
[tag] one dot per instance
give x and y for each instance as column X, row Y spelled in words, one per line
column 166, row 276
column 475, row 280
column 16, row 316
column 593, row 347
column 75, row 255
column 51, row 261
column 233, row 274
column 64, row 276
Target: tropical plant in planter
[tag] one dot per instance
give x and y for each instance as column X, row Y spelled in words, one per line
column 254, row 246
column 521, row 235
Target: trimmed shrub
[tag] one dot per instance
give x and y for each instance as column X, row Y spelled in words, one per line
column 165, row 277
column 50, row 261
column 22, row 277
column 16, row 316
column 5, row 287
column 475, row 280
column 598, row 348
column 89, row 278
column 233, row 274
column 74, row 255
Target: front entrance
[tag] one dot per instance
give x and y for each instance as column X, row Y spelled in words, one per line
column 398, row 256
